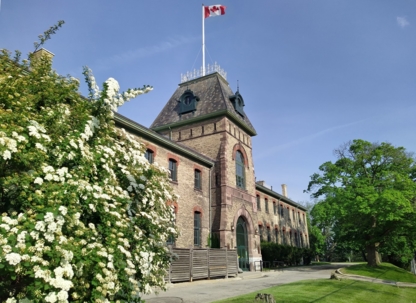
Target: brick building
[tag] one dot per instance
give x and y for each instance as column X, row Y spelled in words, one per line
column 203, row 136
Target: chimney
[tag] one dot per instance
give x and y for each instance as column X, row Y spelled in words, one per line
column 284, row 190
column 41, row 53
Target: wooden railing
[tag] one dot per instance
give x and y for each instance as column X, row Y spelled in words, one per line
column 192, row 264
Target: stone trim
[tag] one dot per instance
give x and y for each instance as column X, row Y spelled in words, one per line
column 240, row 148
column 152, row 148
column 198, row 208
column 173, row 157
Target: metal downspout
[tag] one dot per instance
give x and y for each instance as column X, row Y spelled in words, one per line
column 209, row 205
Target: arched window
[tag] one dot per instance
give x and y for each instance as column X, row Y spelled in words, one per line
column 240, row 170
column 197, row 228
column 197, row 179
column 261, row 233
column 149, row 155
column 258, row 202
column 269, row 234
column 173, row 170
column 171, row 238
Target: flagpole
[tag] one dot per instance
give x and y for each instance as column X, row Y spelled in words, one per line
column 203, row 41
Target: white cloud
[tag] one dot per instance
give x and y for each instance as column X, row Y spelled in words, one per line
column 306, row 138
column 402, row 22
column 132, row 55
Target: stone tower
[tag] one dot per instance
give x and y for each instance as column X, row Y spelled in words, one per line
column 207, row 116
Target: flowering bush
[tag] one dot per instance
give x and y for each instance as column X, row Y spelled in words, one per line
column 83, row 214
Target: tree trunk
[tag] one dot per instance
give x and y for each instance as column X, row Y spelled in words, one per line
column 364, row 256
column 373, row 258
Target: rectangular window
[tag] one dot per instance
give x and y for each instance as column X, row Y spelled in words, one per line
column 276, row 235
column 274, row 208
column 197, row 228
column 282, row 214
column 258, row 203
column 269, row 235
column 197, row 178
column 173, row 170
column 266, row 205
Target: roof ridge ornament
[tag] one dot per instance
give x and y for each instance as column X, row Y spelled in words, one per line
column 198, row 73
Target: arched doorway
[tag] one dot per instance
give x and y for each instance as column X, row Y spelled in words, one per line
column 242, row 244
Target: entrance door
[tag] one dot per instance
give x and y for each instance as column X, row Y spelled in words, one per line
column 242, row 245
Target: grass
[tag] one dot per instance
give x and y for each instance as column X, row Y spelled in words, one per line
column 348, row 291
column 385, row 271
column 332, row 291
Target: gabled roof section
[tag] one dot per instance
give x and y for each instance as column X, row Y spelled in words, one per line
column 147, row 134
column 214, row 95
column 278, row 196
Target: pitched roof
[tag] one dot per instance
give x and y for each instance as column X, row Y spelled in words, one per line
column 154, row 137
column 214, row 100
column 278, row 196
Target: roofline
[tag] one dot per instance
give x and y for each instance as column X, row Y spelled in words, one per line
column 279, row 196
column 225, row 112
column 203, row 77
column 156, row 138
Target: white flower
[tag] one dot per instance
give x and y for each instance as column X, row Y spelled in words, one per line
column 52, row 227
column 62, row 295
column 7, row 155
column 34, row 235
column 110, row 285
column 41, row 147
column 7, row 249
column 48, row 217
column 51, row 297
column 13, row 258
column 11, row 300
column 40, row 225
column 49, row 236
column 63, row 210
column 5, row 226
column 48, row 169
column 38, row 180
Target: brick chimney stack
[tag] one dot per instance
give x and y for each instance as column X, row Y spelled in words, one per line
column 284, row 190
column 41, row 53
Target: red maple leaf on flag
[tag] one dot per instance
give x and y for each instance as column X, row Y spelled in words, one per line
column 214, row 9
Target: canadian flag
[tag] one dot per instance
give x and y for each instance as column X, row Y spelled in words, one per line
column 214, row 10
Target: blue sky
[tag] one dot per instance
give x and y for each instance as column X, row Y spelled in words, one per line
column 313, row 74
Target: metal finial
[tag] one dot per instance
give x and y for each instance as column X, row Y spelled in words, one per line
column 238, row 86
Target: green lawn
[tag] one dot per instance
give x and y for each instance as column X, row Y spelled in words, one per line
column 332, row 291
column 348, row 291
column 385, row 271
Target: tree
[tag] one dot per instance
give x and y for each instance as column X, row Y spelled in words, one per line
column 84, row 215
column 317, row 239
column 368, row 197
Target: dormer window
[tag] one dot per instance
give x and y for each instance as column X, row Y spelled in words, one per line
column 187, row 102
column 238, row 103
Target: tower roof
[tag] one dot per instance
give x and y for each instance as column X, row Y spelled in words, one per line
column 213, row 94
